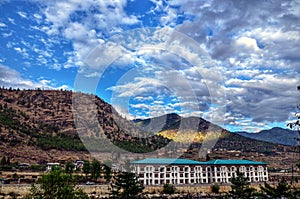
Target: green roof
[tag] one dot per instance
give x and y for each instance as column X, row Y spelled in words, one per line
column 173, row 161
column 234, row 162
column 179, row 161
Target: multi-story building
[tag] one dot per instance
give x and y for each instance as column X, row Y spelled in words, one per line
column 159, row 171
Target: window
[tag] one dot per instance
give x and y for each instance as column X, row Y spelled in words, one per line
column 243, row 169
column 162, row 169
column 187, row 169
column 233, row 169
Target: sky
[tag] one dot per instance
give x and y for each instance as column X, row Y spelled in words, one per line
column 235, row 63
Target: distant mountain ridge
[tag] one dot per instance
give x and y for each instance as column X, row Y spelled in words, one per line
column 169, row 124
column 275, row 135
column 173, row 121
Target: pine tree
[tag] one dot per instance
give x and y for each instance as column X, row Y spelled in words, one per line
column 125, row 185
column 240, row 188
column 107, row 173
column 281, row 190
column 86, row 168
column 3, row 161
column 95, row 169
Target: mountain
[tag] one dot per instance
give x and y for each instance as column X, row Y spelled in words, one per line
column 48, row 125
column 200, row 130
column 275, row 135
column 38, row 126
column 175, row 122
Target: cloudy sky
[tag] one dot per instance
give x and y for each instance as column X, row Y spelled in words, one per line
column 235, row 63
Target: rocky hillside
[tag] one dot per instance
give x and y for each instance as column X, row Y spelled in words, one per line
column 34, row 123
column 49, row 125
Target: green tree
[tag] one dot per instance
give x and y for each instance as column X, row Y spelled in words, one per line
column 3, row 161
column 240, row 187
column 215, row 188
column 107, row 170
column 69, row 168
column 86, row 168
column 296, row 126
column 56, row 185
column 281, row 190
column 15, row 176
column 168, row 189
column 95, row 169
column 125, row 185
column 8, row 161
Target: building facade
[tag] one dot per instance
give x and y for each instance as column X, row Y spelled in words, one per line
column 159, row 171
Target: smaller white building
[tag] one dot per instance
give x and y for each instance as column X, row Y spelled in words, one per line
column 159, row 171
column 52, row 164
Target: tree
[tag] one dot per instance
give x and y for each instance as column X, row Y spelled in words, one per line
column 207, row 158
column 69, row 168
column 7, row 161
column 95, row 169
column 282, row 190
column 3, row 161
column 215, row 188
column 240, row 188
column 86, row 168
column 168, row 189
column 296, row 126
column 125, row 185
column 107, row 170
column 58, row 185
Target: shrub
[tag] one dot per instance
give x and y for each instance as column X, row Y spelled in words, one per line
column 168, row 189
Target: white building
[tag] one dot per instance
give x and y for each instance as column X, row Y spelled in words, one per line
column 50, row 165
column 159, row 171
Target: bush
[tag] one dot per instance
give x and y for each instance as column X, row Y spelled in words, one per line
column 215, row 188
column 168, row 189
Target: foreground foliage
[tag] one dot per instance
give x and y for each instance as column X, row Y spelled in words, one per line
column 125, row 185
column 240, row 188
column 56, row 185
column 281, row 190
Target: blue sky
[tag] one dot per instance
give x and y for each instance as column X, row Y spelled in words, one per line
column 235, row 63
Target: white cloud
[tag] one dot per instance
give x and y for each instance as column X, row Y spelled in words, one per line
column 248, row 43
column 22, row 14
column 11, row 78
column 2, row 25
column 84, row 31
